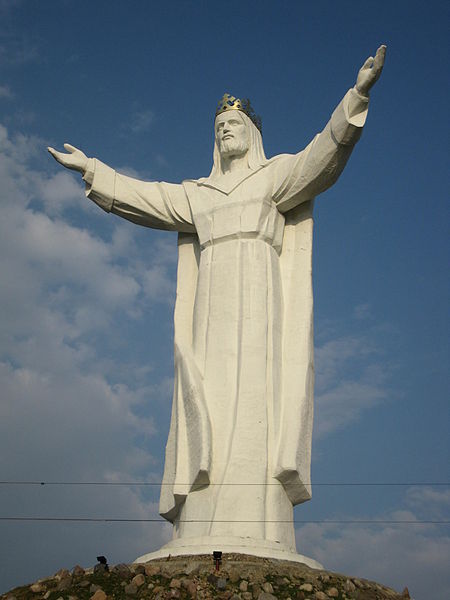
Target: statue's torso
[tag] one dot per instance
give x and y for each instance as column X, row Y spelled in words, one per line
column 246, row 211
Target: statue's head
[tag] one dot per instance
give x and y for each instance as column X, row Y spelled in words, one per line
column 232, row 136
column 237, row 132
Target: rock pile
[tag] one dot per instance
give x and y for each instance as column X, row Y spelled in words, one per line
column 240, row 577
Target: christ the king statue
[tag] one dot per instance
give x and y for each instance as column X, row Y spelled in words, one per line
column 239, row 448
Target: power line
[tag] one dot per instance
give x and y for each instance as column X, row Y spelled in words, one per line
column 160, row 483
column 127, row 520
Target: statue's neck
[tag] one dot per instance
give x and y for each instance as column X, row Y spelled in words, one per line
column 234, row 164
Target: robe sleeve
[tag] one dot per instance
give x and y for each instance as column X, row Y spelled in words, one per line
column 300, row 177
column 152, row 204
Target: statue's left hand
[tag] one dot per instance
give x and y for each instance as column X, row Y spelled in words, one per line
column 370, row 71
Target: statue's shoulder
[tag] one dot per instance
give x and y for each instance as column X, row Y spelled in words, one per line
column 279, row 157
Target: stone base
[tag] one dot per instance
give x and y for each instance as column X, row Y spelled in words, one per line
column 198, row 572
column 207, row 545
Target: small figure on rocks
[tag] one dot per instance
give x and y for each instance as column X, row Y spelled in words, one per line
column 102, row 565
column 217, row 557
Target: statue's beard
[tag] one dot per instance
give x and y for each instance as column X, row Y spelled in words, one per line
column 232, row 147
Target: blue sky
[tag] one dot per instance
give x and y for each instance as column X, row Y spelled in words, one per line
column 87, row 300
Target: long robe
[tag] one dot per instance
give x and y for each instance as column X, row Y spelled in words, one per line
column 239, row 447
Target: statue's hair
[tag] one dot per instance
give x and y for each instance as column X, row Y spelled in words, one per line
column 255, row 155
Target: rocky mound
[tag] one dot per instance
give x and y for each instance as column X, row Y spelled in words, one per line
column 240, row 577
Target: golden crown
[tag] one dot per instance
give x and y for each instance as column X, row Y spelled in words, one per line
column 231, row 103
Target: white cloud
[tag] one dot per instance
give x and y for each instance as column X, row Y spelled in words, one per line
column 412, row 555
column 17, row 151
column 59, row 191
column 141, row 120
column 70, row 409
column 57, row 413
column 157, row 284
column 435, row 502
column 341, row 398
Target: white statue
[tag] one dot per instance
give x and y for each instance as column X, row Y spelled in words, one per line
column 239, row 447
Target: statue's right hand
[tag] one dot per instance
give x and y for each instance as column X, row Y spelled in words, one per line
column 75, row 159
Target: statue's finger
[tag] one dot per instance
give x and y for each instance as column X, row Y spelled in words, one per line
column 368, row 63
column 54, row 153
column 379, row 60
column 70, row 148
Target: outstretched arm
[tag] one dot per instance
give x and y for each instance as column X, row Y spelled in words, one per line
column 301, row 177
column 152, row 204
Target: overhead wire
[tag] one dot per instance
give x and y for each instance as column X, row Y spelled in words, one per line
column 160, row 483
column 303, row 521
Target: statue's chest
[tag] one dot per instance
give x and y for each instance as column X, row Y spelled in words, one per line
column 247, row 212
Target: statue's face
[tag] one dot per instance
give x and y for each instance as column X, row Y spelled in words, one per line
column 231, row 134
